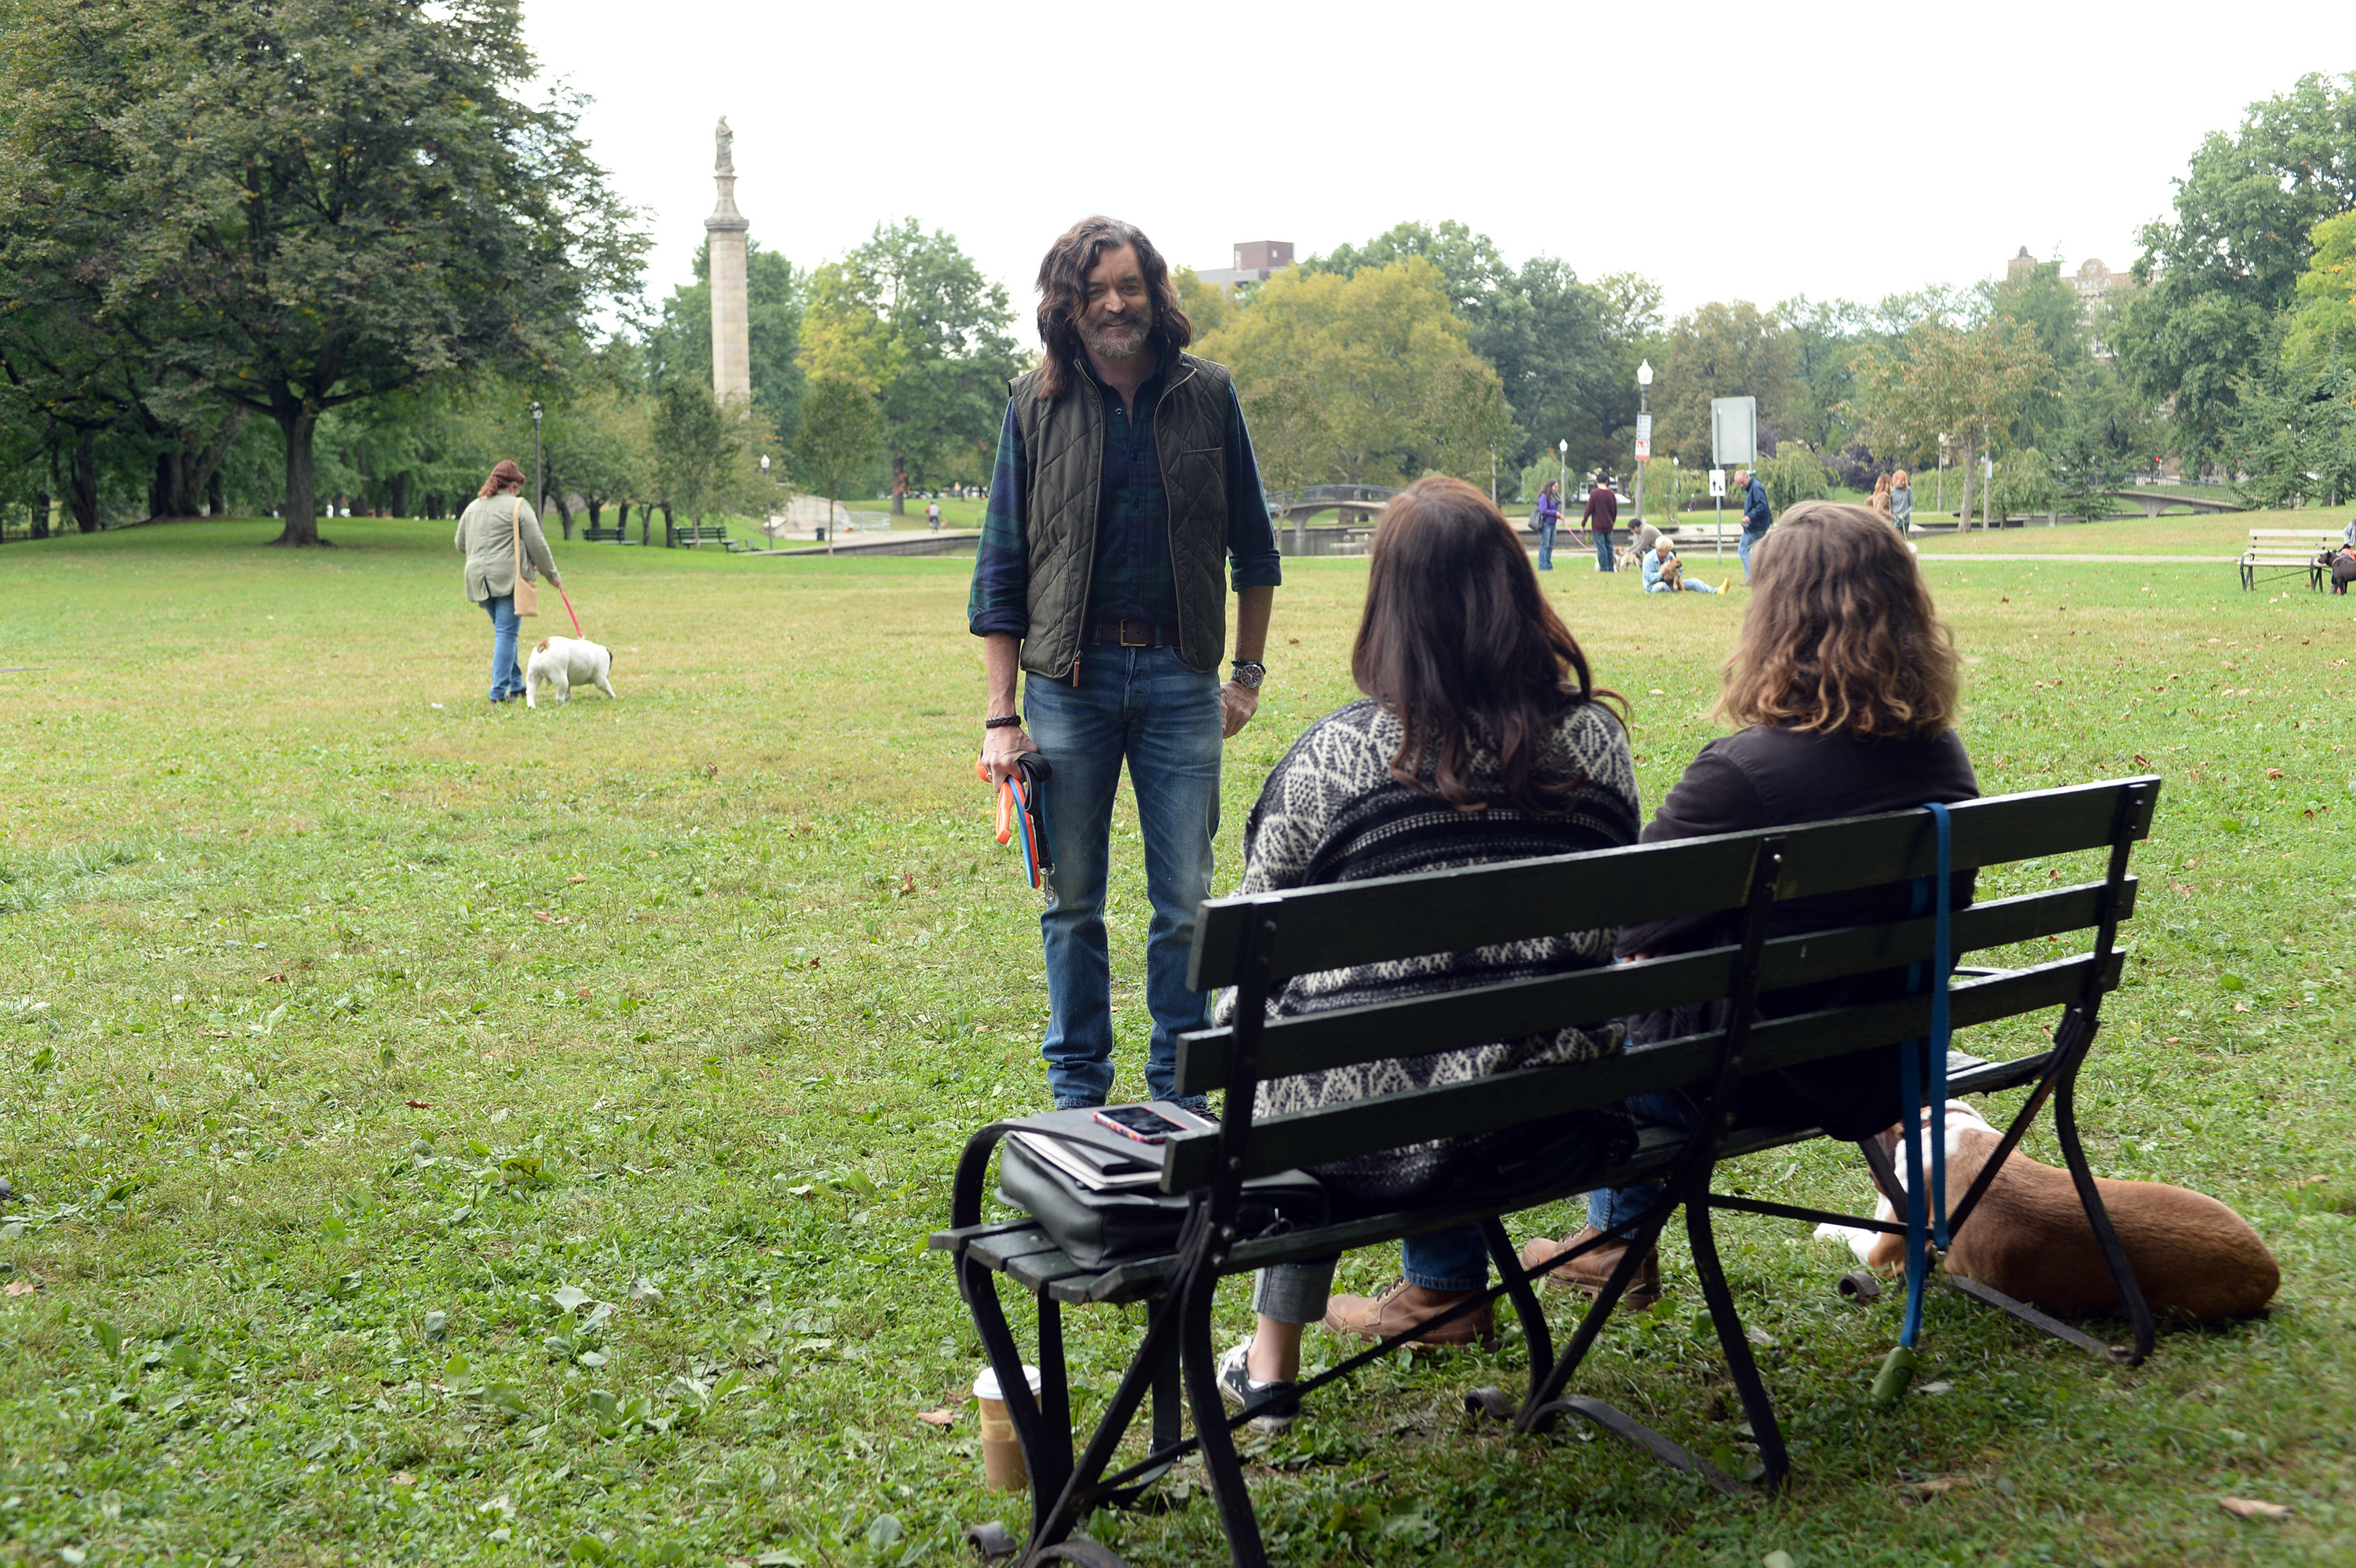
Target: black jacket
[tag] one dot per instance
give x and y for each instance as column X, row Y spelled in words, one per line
column 1766, row 777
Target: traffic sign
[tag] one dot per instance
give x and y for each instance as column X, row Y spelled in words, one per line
column 1644, row 448
column 1733, row 430
column 1644, row 428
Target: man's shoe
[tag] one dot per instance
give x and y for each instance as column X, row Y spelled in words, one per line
column 1277, row 1403
column 1403, row 1306
column 1591, row 1270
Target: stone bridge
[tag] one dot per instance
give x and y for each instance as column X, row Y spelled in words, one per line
column 1356, row 502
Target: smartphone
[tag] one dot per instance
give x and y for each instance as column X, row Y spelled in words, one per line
column 1138, row 1121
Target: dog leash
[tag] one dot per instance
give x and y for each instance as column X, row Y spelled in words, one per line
column 570, row 611
column 1926, row 1200
column 1022, row 810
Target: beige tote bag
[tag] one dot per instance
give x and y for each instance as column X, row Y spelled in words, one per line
column 527, row 593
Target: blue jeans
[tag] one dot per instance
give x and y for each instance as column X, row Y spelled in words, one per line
column 1545, row 547
column 1604, row 561
column 1610, row 1206
column 1144, row 706
column 1749, row 539
column 1453, row 1260
column 506, row 680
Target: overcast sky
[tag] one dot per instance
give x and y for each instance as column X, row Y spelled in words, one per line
column 1725, row 151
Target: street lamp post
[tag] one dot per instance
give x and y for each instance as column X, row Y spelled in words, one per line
column 1563, row 477
column 539, row 498
column 1643, row 420
column 1943, row 475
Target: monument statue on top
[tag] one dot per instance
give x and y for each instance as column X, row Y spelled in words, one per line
column 732, row 357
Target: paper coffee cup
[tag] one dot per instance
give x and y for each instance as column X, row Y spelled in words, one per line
column 1001, row 1453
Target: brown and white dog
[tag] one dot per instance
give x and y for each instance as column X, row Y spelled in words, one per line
column 564, row 663
column 2030, row 1239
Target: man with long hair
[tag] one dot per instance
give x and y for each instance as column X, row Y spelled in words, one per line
column 1124, row 478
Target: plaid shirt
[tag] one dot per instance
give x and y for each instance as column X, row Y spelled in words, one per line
column 1131, row 576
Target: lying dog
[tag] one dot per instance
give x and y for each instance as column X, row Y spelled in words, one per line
column 565, row 662
column 2030, row 1239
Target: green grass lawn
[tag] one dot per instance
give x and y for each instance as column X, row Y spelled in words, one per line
column 448, row 1134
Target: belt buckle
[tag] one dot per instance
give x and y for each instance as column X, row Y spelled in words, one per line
column 1121, row 630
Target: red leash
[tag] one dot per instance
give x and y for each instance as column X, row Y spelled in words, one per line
column 570, row 611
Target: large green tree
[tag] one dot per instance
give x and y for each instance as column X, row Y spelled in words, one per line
column 1947, row 384
column 1362, row 378
column 1718, row 351
column 910, row 318
column 2216, row 275
column 1565, row 351
column 310, row 203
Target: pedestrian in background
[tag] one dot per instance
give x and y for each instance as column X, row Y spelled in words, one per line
column 1757, row 518
column 1549, row 514
column 1602, row 512
column 501, row 537
column 1901, row 503
column 1880, row 503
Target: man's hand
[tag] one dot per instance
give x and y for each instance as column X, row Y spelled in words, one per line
column 1000, row 748
column 1236, row 706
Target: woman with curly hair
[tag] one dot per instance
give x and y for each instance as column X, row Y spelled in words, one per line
column 1844, row 679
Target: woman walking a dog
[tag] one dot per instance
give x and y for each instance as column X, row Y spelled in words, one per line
column 500, row 535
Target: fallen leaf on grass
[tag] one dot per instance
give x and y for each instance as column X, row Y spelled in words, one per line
column 2274, row 772
column 1933, row 1486
column 273, row 980
column 582, row 994
column 419, row 1104
column 576, row 879
column 22, row 1287
column 2250, row 1508
column 218, row 1033
column 2240, row 1007
column 402, row 1478
column 945, row 1416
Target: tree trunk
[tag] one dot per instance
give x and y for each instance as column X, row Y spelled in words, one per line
column 564, row 507
column 670, row 526
column 40, row 529
column 200, row 468
column 217, row 494
column 302, row 509
column 82, row 492
column 597, row 509
column 164, row 489
column 899, row 486
column 399, row 486
column 1970, row 474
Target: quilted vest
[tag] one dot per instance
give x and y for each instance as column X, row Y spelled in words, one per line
column 1064, row 440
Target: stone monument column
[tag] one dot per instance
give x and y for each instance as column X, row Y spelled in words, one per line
column 732, row 357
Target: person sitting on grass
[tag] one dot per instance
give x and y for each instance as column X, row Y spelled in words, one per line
column 1482, row 737
column 1665, row 573
column 1847, row 681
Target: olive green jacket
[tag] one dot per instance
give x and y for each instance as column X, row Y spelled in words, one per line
column 1066, row 442
column 486, row 533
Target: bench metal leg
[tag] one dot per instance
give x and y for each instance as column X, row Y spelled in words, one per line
column 1220, row 1465
column 1526, row 1308
column 1732, row 1339
column 1545, row 1403
column 1047, row 1446
column 2065, row 1129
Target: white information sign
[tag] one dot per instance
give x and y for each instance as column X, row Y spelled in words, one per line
column 1643, row 427
column 1733, row 431
column 1718, row 482
column 1644, row 448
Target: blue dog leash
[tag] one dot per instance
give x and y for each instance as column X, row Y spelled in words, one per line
column 1926, row 1201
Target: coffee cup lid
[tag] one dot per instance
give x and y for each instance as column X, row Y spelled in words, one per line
column 986, row 1385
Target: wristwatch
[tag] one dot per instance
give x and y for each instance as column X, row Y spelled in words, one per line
column 1249, row 673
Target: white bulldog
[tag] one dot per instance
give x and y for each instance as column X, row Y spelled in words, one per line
column 562, row 663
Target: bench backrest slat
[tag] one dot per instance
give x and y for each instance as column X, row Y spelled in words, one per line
column 1382, row 918
column 1485, row 1104
column 1410, row 1027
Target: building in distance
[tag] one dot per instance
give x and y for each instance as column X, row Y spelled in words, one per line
column 2100, row 290
column 1256, row 260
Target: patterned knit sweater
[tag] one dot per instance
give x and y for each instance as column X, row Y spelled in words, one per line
column 1330, row 812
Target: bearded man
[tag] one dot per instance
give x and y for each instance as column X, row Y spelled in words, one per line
column 1124, row 481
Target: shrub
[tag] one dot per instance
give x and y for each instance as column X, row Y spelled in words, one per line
column 1793, row 474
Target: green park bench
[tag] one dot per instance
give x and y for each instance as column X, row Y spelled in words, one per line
column 1255, row 943
column 596, row 534
column 694, row 534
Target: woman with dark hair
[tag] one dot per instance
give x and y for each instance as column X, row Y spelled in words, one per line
column 1846, row 680
column 1482, row 737
column 500, row 538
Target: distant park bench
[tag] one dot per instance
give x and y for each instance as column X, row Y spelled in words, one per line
column 597, row 535
column 2280, row 552
column 694, row 534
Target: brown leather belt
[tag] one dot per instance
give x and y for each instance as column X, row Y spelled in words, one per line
column 1136, row 635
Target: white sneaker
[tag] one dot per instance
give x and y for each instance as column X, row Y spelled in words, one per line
column 1282, row 1399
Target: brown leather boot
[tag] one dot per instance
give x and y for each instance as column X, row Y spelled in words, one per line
column 1590, row 1271
column 1404, row 1306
